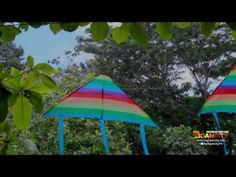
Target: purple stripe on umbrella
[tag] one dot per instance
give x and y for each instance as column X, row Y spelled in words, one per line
column 115, row 94
column 228, row 86
column 89, row 90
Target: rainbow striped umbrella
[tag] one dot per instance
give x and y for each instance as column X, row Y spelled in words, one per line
column 102, row 99
column 222, row 99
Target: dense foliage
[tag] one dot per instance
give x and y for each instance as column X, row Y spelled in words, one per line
column 120, row 34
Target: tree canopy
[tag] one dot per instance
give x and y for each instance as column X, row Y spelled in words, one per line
column 120, row 34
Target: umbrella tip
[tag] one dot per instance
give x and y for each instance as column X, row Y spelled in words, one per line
column 234, row 68
column 104, row 76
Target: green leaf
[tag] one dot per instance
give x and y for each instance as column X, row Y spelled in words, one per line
column 2, row 127
column 24, row 26
column 4, row 149
column 4, row 94
column 3, row 73
column 232, row 25
column 138, row 33
column 99, row 30
column 44, row 68
column 2, row 65
column 36, row 100
column 30, row 61
column 207, row 28
column 12, row 84
column 3, row 108
column 7, row 128
column 8, row 33
column 120, row 34
column 40, row 88
column 34, row 24
column 83, row 23
column 37, row 24
column 13, row 81
column 47, row 81
column 15, row 71
column 69, row 26
column 234, row 34
column 29, row 81
column 55, row 27
column 183, row 24
column 21, row 110
column 165, row 30
column 12, row 99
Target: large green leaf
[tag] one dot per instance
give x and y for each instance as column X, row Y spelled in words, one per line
column 3, row 73
column 207, row 28
column 30, row 62
column 40, row 88
column 8, row 33
column 47, row 81
column 36, row 100
column 165, row 30
column 29, row 80
column 34, row 24
column 55, row 27
column 69, row 26
column 12, row 99
column 120, row 34
column 138, row 33
column 13, row 81
column 99, row 30
column 232, row 25
column 4, row 94
column 234, row 34
column 2, row 65
column 183, row 24
column 4, row 149
column 3, row 108
column 15, row 71
column 24, row 26
column 44, row 68
column 37, row 24
column 21, row 109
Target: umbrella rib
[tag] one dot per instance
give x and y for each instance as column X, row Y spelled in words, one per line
column 102, row 124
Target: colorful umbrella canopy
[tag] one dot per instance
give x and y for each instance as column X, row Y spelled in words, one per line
column 102, row 99
column 222, row 99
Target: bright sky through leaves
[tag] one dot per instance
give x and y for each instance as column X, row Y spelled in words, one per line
column 44, row 45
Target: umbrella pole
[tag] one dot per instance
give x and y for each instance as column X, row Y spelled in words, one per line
column 61, row 134
column 219, row 128
column 216, row 120
column 104, row 136
column 143, row 139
